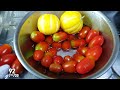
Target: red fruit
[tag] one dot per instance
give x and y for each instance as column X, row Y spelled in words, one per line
column 78, row 57
column 85, row 66
column 38, row 55
column 66, row 45
column 37, row 36
column 49, row 40
column 67, row 58
column 58, row 59
column 71, row 37
column 82, row 50
column 52, row 52
column 56, row 45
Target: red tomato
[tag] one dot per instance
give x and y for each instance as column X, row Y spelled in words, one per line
column 46, row 61
column 54, row 67
column 56, row 45
column 38, row 54
column 66, row 45
column 42, row 46
column 94, row 53
column 5, row 49
column 7, row 59
column 83, row 33
column 91, row 34
column 17, row 66
column 67, row 58
column 52, row 52
column 58, row 59
column 78, row 57
column 49, row 40
column 69, row 67
column 97, row 40
column 71, row 37
column 37, row 36
column 82, row 50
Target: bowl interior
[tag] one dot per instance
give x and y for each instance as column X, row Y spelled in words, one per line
column 25, row 46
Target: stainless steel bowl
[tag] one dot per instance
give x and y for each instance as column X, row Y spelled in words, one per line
column 24, row 47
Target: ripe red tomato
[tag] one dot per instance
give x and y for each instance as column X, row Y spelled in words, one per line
column 37, row 36
column 42, row 46
column 5, row 49
column 82, row 50
column 85, row 66
column 94, row 53
column 91, row 34
column 67, row 58
column 46, row 61
column 69, row 67
column 58, row 59
column 54, row 67
column 66, row 45
column 78, row 57
column 52, row 52
column 7, row 59
column 38, row 55
column 83, row 33
column 97, row 40
column 56, row 45
column 71, row 37
column 17, row 66
column 49, row 40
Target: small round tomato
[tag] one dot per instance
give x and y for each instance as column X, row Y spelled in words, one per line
column 97, row 40
column 49, row 40
column 83, row 33
column 46, row 61
column 67, row 58
column 42, row 46
column 56, row 45
column 69, row 67
column 52, row 52
column 66, row 45
column 91, row 34
column 94, row 53
column 54, row 67
column 7, row 59
column 17, row 66
column 82, row 50
column 58, row 59
column 85, row 66
column 38, row 55
column 37, row 36
column 78, row 57
column 5, row 49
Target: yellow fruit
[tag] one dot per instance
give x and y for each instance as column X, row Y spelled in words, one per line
column 71, row 22
column 48, row 24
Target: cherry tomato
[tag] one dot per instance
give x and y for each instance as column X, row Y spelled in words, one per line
column 38, row 54
column 54, row 67
column 46, row 61
column 42, row 46
column 56, row 45
column 37, row 36
column 7, row 59
column 5, row 49
column 78, row 57
column 49, row 40
column 85, row 66
column 66, row 45
column 97, row 40
column 52, row 52
column 83, row 33
column 82, row 50
column 67, row 58
column 91, row 34
column 69, row 67
column 71, row 37
column 58, row 59
column 94, row 53
column 17, row 66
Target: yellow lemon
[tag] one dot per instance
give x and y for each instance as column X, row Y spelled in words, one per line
column 48, row 24
column 71, row 22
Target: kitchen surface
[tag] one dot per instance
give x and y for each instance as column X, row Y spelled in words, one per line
column 9, row 21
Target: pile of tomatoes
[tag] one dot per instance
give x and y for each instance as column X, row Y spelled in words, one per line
column 87, row 43
column 7, row 56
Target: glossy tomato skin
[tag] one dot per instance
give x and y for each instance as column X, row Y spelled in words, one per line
column 66, row 45
column 67, row 58
column 97, row 40
column 7, row 59
column 85, row 66
column 83, row 33
column 56, row 68
column 38, row 55
column 82, row 50
column 17, row 66
column 91, row 34
column 37, row 36
column 58, row 59
column 78, row 57
column 5, row 49
column 46, row 61
column 52, row 52
column 94, row 53
column 70, row 66
column 57, row 45
column 49, row 40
